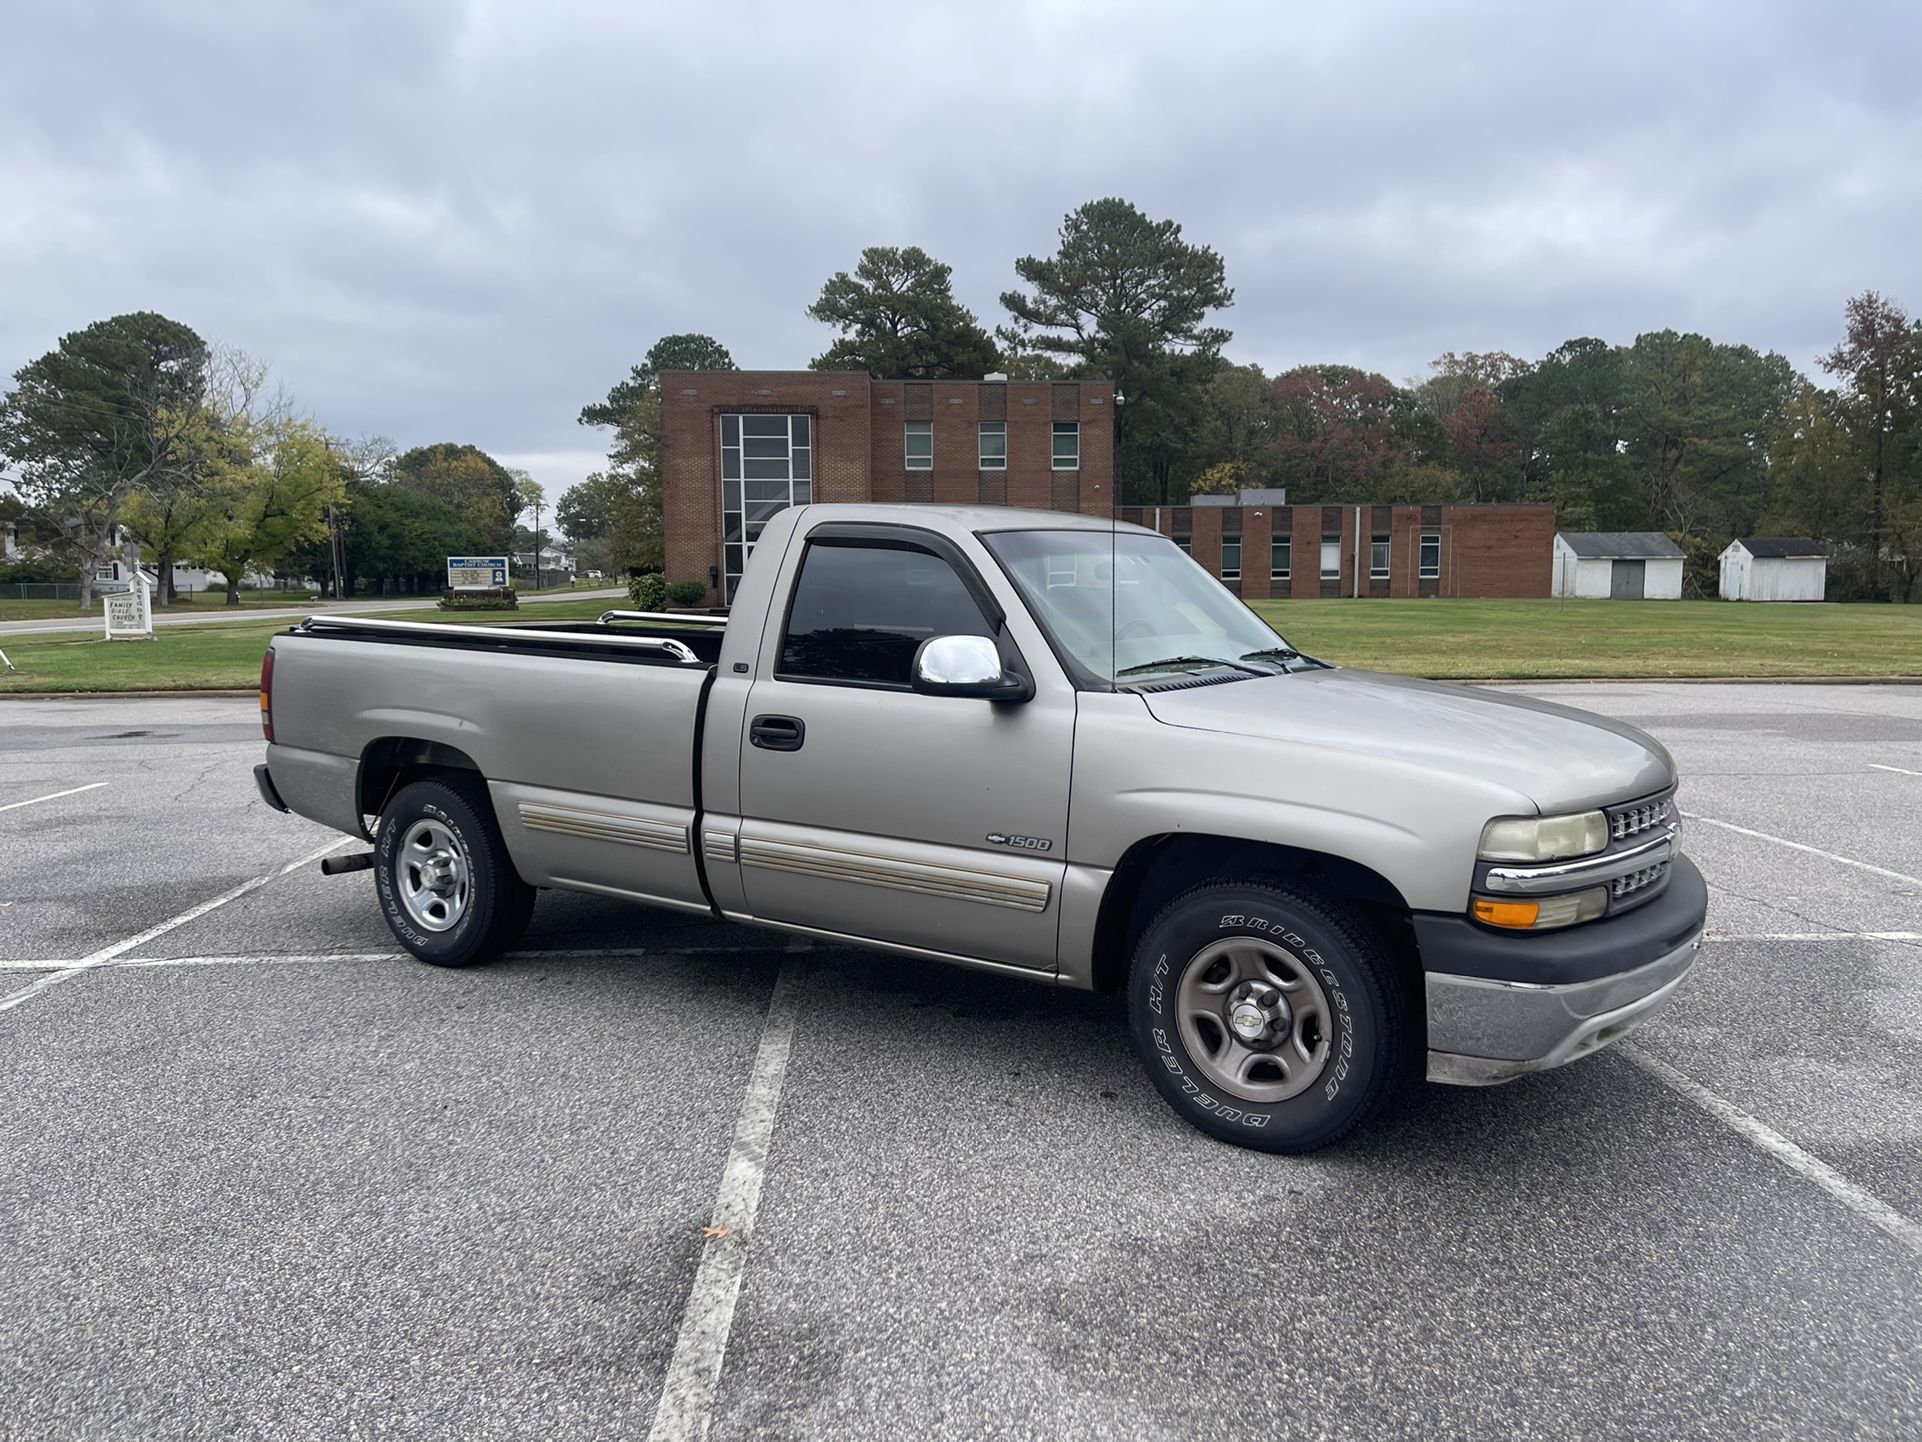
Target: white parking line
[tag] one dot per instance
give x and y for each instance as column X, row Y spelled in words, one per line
column 108, row 954
column 1696, row 816
column 271, row 958
column 1804, row 1164
column 1898, row 770
column 686, row 1407
column 1814, row 936
column 54, row 795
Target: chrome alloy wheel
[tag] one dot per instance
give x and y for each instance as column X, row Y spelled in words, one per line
column 1254, row 1019
column 433, row 875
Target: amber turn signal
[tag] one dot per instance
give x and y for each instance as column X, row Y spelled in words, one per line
column 1518, row 914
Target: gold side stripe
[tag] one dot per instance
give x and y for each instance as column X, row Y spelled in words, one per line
column 604, row 826
column 927, row 879
column 720, row 845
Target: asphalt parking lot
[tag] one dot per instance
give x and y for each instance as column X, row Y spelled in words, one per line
column 259, row 1177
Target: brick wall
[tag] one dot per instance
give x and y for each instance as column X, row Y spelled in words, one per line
column 860, row 445
column 860, row 455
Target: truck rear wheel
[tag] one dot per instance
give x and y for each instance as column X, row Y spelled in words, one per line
column 447, row 887
column 1267, row 1015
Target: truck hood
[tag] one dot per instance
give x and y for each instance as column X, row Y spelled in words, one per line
column 1562, row 759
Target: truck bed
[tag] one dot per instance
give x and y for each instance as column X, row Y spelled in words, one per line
column 585, row 733
column 618, row 635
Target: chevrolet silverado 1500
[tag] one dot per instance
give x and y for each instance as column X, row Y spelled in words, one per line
column 1045, row 745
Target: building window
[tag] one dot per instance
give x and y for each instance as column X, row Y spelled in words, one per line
column 1279, row 558
column 1231, row 560
column 920, row 445
column 1431, row 555
column 767, row 464
column 1378, row 559
column 1187, row 544
column 1067, row 445
column 994, row 445
column 1331, row 558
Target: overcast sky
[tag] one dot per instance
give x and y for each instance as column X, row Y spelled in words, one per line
column 445, row 221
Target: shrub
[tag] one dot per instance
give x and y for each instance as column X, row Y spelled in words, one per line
column 37, row 573
column 649, row 591
column 687, row 593
column 502, row 600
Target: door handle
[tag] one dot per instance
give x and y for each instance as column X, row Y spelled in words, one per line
column 777, row 733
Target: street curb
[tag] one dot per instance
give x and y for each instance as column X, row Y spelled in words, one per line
column 1684, row 680
column 117, row 695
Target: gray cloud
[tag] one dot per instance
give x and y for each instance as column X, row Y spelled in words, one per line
column 447, row 221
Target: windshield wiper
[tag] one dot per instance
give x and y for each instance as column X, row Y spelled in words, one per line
column 1166, row 662
column 1283, row 654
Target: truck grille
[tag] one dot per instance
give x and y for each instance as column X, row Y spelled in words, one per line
column 1636, row 883
column 1625, row 823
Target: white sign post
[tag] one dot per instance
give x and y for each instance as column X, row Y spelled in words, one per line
column 477, row 573
column 130, row 612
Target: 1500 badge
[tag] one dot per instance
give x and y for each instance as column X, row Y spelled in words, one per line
column 1020, row 843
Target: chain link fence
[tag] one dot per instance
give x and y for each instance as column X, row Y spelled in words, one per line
column 41, row 591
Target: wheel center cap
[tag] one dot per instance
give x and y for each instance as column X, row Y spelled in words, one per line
column 1249, row 1020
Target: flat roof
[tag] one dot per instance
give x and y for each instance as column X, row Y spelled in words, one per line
column 976, row 518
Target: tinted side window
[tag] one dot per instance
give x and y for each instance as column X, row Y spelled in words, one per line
column 860, row 612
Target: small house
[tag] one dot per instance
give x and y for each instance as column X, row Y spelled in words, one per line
column 1618, row 565
column 1774, row 568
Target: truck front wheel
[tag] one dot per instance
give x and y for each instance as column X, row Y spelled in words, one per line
column 1269, row 1016
column 447, row 887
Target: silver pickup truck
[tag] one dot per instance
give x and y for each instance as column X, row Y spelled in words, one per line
column 1044, row 745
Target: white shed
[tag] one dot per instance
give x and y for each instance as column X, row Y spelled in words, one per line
column 1618, row 565
column 1774, row 568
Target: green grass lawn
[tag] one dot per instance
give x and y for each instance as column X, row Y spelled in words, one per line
column 211, row 657
column 1527, row 639
column 206, row 602
column 1458, row 639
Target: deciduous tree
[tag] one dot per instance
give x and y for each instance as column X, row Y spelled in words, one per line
column 273, row 483
column 1877, row 365
column 466, row 478
column 1336, row 436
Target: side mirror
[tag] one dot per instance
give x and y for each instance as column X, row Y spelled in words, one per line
column 966, row 666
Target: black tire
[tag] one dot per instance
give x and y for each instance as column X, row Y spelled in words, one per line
column 1253, row 933
column 486, row 907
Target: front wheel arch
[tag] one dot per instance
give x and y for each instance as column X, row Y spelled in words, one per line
column 1158, row 868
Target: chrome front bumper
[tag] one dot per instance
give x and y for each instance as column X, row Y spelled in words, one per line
column 1482, row 1032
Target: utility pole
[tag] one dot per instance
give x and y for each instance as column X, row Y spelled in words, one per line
column 537, row 545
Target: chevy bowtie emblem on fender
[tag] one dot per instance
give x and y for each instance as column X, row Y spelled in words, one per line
column 1020, row 843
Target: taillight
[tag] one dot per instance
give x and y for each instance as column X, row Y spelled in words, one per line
column 267, row 694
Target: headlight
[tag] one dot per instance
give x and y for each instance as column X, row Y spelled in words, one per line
column 1544, row 838
column 1544, row 913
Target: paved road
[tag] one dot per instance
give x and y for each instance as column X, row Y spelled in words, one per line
column 285, row 1185
column 310, row 608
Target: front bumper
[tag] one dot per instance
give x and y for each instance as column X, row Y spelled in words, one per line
column 1484, row 1032
column 1500, row 1007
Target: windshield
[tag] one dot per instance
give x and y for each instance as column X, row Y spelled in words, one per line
column 1127, row 606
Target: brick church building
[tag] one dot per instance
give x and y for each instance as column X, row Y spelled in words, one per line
column 740, row 445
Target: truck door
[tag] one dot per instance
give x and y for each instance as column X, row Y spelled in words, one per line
column 935, row 823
